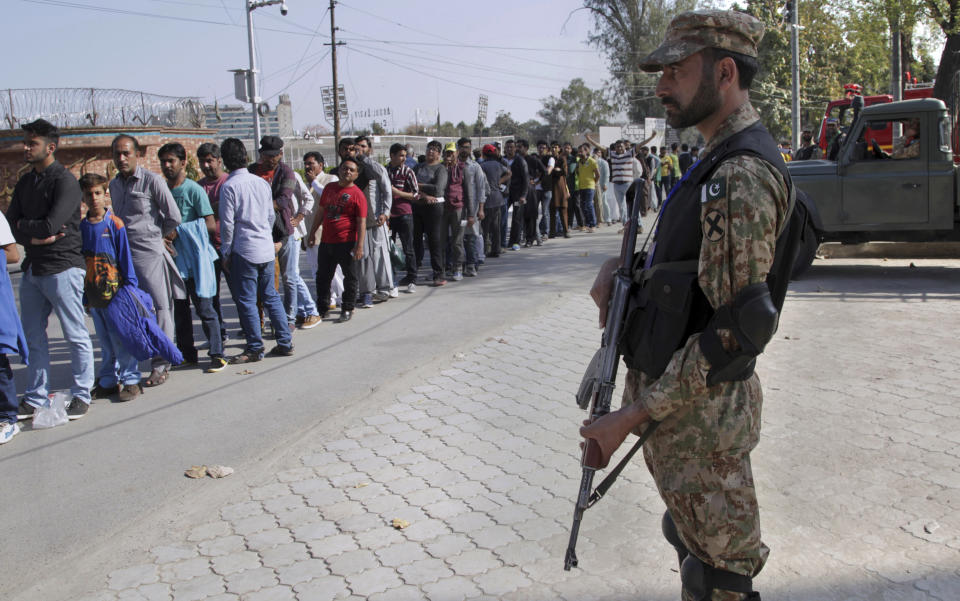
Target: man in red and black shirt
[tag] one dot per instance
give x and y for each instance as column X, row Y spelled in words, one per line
column 342, row 211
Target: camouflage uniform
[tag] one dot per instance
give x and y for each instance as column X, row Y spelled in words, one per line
column 700, row 455
column 904, row 150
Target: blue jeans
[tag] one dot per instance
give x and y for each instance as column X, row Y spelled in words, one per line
column 586, row 205
column 249, row 280
column 305, row 305
column 289, row 257
column 620, row 194
column 546, row 197
column 61, row 293
column 117, row 366
column 8, row 392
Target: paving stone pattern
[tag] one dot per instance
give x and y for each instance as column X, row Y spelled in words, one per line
column 857, row 474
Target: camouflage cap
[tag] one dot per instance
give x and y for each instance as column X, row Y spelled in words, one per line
column 692, row 31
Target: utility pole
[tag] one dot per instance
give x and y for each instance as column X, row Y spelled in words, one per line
column 794, row 8
column 336, row 88
column 255, row 99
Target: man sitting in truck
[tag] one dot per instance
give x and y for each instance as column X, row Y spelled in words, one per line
column 908, row 145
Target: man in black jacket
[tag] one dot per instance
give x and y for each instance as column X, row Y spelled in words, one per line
column 44, row 215
column 518, row 190
column 535, row 170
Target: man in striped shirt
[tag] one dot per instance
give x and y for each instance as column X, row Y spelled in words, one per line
column 621, row 175
column 405, row 191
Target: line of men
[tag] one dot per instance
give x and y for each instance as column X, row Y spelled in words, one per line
column 175, row 241
column 170, row 238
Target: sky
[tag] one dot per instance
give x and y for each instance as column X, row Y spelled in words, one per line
column 401, row 56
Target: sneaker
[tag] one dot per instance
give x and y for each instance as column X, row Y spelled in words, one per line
column 311, row 321
column 281, row 351
column 332, row 305
column 77, row 409
column 379, row 297
column 366, row 301
column 394, row 292
column 246, row 357
column 411, row 288
column 515, row 247
column 8, row 430
column 439, row 281
column 300, row 320
column 345, row 316
column 129, row 392
column 457, row 275
column 470, row 271
column 101, row 392
column 216, row 364
column 25, row 410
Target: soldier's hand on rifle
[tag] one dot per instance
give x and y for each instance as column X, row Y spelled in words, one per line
column 602, row 286
column 612, row 429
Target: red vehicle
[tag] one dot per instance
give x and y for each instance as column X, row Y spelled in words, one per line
column 841, row 111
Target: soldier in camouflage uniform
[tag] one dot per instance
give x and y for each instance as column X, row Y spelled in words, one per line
column 699, row 456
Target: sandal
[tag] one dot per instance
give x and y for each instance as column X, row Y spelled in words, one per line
column 156, row 378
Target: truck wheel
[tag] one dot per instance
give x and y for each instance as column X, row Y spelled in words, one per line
column 806, row 252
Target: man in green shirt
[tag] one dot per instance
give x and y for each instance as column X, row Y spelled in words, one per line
column 588, row 174
column 194, row 205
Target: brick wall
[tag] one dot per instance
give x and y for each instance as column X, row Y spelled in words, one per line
column 87, row 150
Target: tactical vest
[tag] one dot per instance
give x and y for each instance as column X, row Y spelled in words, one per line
column 667, row 305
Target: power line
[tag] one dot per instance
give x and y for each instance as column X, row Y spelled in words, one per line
column 463, row 65
column 450, row 81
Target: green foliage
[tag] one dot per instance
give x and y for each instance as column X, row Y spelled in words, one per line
column 626, row 31
column 192, row 168
column 577, row 109
column 377, row 129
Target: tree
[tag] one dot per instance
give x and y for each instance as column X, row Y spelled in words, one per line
column 504, row 125
column 626, row 31
column 946, row 13
column 377, row 128
column 577, row 109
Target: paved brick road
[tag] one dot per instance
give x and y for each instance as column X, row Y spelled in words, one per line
column 857, row 472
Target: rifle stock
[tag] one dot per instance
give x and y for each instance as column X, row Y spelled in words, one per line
column 603, row 382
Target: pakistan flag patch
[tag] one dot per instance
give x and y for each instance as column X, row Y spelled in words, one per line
column 714, row 189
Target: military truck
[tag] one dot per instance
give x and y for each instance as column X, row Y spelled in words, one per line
column 868, row 195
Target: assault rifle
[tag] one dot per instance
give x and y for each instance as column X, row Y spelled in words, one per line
column 596, row 389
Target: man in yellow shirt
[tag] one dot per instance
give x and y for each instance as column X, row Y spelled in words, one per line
column 588, row 173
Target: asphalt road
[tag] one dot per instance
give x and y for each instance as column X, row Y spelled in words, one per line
column 72, row 490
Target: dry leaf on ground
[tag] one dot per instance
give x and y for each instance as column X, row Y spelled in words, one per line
column 219, row 471
column 196, row 471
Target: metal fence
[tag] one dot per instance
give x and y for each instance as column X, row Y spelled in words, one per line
column 93, row 107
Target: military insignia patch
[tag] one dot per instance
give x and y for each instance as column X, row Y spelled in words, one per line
column 714, row 189
column 714, row 226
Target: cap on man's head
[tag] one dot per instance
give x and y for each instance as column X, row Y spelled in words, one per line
column 450, row 147
column 271, row 146
column 692, row 31
column 489, row 149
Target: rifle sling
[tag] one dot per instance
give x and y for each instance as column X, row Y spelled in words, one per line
column 604, row 486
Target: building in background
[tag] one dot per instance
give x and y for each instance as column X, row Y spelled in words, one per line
column 236, row 120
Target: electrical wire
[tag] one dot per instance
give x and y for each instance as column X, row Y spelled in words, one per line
column 309, row 43
column 450, row 81
column 432, row 61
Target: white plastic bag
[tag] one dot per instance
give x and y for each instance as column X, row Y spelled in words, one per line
column 53, row 414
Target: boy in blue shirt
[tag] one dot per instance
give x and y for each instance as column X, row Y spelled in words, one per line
column 12, row 339
column 109, row 266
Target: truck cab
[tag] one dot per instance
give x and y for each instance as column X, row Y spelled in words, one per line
column 870, row 194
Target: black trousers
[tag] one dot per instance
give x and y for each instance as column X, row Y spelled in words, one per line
column 516, row 223
column 427, row 219
column 329, row 255
column 183, row 323
column 402, row 227
column 491, row 232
